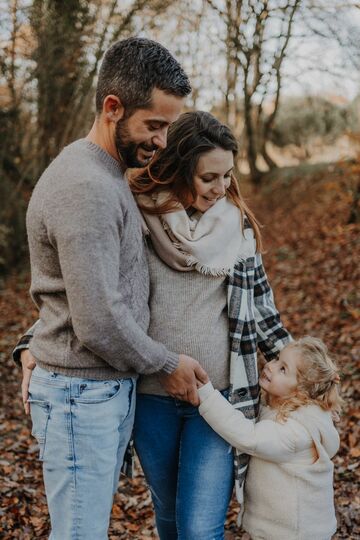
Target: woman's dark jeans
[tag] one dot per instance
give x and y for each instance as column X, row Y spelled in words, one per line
column 189, row 468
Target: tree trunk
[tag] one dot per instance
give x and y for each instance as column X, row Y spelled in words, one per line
column 268, row 160
column 354, row 216
column 60, row 63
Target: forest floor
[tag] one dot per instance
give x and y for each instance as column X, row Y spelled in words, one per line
column 312, row 259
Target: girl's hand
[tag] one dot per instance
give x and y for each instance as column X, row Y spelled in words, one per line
column 205, row 390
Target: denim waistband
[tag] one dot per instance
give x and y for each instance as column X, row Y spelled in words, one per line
column 57, row 379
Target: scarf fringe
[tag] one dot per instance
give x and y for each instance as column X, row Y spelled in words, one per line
column 215, row 272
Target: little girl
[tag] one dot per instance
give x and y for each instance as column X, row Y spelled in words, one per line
column 289, row 485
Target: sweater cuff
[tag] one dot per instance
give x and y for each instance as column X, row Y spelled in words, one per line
column 172, row 362
column 214, row 402
column 205, row 391
column 22, row 344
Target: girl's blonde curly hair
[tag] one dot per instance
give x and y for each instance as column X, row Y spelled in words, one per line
column 318, row 379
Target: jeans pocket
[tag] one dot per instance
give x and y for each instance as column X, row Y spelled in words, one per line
column 40, row 414
column 98, row 391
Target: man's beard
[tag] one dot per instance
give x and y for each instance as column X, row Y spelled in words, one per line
column 127, row 149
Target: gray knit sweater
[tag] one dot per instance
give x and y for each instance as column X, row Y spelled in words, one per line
column 89, row 274
column 189, row 313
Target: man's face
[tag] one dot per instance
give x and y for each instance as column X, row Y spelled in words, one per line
column 145, row 131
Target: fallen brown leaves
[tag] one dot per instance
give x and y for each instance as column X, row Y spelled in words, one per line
column 313, row 262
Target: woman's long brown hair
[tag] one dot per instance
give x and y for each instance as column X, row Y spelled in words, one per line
column 173, row 168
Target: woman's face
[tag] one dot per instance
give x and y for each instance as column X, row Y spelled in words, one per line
column 212, row 177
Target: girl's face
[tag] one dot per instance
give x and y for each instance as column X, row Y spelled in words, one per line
column 212, row 177
column 279, row 377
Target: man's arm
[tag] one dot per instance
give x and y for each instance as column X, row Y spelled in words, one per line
column 180, row 384
column 85, row 227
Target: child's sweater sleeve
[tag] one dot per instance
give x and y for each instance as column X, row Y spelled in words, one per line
column 267, row 439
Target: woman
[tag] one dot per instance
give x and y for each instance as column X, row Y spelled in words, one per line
column 209, row 298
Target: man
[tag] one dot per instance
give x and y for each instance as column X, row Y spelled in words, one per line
column 90, row 282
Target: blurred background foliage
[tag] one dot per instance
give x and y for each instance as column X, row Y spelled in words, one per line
column 285, row 76
column 251, row 63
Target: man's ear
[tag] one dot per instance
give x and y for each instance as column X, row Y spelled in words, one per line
column 113, row 109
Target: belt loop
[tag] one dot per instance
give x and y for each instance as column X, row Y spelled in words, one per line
column 74, row 390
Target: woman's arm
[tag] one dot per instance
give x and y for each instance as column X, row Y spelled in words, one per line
column 267, row 439
column 23, row 343
column 271, row 334
column 26, row 361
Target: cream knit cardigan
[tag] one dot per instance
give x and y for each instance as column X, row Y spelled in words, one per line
column 288, row 496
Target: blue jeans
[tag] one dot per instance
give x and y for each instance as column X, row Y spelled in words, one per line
column 189, row 468
column 83, row 428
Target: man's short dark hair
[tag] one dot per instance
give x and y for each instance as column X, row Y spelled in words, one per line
column 133, row 67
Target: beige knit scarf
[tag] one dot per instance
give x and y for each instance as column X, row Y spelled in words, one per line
column 210, row 243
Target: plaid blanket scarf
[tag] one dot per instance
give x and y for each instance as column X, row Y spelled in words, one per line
column 253, row 322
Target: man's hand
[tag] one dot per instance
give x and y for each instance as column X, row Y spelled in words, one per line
column 182, row 383
column 28, row 363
